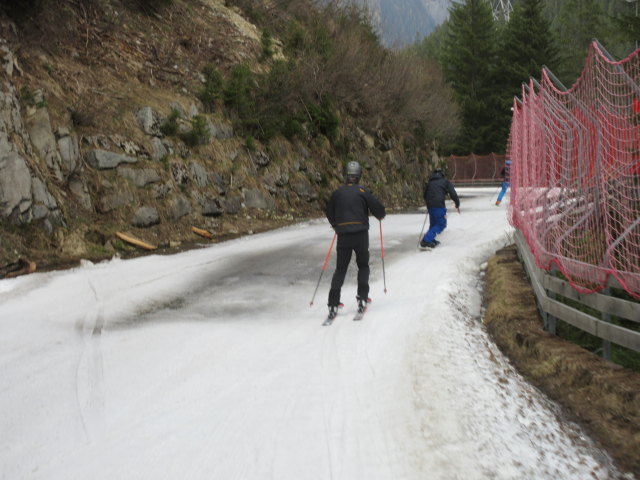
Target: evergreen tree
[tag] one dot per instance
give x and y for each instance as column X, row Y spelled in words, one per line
column 526, row 45
column 469, row 58
column 431, row 45
column 628, row 25
column 579, row 22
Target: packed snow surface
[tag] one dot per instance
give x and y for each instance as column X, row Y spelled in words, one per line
column 212, row 364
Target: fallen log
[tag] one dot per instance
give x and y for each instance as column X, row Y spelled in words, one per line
column 135, row 241
column 201, row 232
column 15, row 269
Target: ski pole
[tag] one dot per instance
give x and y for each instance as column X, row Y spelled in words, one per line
column 423, row 225
column 384, row 279
column 324, row 266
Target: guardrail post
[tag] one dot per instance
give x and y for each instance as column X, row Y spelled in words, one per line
column 606, row 344
column 551, row 321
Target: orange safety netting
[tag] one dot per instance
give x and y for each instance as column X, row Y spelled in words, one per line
column 575, row 173
column 475, row 169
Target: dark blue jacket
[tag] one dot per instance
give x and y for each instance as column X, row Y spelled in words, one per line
column 349, row 206
column 436, row 190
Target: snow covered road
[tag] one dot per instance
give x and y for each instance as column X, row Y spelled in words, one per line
column 211, row 364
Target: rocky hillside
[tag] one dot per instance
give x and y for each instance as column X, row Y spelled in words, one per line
column 87, row 96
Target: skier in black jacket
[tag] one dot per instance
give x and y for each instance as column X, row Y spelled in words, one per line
column 435, row 191
column 348, row 213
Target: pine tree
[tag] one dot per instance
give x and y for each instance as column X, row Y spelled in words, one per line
column 628, row 26
column 527, row 44
column 469, row 59
column 579, row 22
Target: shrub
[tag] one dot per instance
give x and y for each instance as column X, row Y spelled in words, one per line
column 152, row 5
column 170, row 126
column 293, row 128
column 294, row 40
column 237, row 91
column 199, row 134
column 250, row 144
column 165, row 162
column 267, row 45
column 20, row 10
column 324, row 119
column 212, row 89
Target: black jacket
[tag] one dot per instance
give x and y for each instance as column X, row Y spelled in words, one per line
column 349, row 206
column 436, row 190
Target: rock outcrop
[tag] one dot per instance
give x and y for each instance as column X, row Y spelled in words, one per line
column 28, row 153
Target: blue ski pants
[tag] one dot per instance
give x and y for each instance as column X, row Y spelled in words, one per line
column 505, row 186
column 437, row 223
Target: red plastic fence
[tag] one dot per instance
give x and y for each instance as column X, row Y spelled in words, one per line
column 575, row 174
column 475, row 169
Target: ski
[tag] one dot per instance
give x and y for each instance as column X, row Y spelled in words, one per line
column 332, row 316
column 362, row 309
column 360, row 315
column 329, row 320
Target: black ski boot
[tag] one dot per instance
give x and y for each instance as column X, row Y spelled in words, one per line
column 362, row 304
column 333, row 313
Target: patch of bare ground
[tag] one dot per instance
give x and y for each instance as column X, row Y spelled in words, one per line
column 601, row 396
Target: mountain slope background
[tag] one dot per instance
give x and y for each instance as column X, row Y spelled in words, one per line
column 400, row 23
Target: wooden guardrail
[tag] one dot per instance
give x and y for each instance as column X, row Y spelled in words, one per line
column 547, row 286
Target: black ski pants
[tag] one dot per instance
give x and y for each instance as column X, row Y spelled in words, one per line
column 347, row 244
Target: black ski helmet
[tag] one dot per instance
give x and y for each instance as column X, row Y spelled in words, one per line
column 353, row 172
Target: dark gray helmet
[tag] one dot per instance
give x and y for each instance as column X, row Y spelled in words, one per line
column 353, row 168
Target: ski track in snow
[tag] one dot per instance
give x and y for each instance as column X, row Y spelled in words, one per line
column 210, row 364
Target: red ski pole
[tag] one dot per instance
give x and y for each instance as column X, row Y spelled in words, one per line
column 384, row 279
column 324, row 266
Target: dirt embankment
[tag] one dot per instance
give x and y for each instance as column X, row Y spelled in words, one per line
column 601, row 396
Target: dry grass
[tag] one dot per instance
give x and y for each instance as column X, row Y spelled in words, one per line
column 603, row 397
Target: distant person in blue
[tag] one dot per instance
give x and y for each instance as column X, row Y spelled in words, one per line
column 506, row 177
column 435, row 191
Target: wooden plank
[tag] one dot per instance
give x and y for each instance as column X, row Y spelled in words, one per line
column 619, row 335
column 568, row 314
column 603, row 303
column 135, row 241
column 596, row 327
column 201, row 232
column 604, row 330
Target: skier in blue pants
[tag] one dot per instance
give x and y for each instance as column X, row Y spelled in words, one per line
column 435, row 191
column 505, row 182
